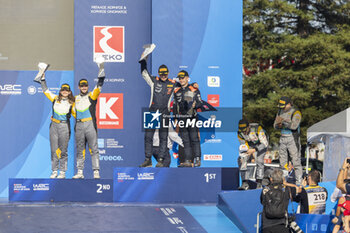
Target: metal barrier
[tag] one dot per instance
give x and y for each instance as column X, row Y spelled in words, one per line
column 258, row 222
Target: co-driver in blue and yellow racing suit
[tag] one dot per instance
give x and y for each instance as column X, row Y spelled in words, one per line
column 288, row 121
column 253, row 141
column 86, row 127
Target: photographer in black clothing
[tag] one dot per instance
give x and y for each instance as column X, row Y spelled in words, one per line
column 275, row 198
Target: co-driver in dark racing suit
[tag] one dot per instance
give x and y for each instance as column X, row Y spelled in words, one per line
column 253, row 141
column 86, row 127
column 186, row 100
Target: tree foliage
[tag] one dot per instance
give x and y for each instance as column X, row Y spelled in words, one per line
column 295, row 48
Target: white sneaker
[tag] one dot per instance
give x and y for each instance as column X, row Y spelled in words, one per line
column 97, row 174
column 79, row 175
column 53, row 175
column 62, row 175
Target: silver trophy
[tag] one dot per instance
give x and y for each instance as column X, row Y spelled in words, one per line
column 148, row 50
column 42, row 68
column 100, row 61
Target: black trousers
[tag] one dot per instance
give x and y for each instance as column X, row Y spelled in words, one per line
column 163, row 142
column 167, row 158
column 191, row 141
column 276, row 229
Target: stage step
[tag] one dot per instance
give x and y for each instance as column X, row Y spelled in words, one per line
column 241, row 207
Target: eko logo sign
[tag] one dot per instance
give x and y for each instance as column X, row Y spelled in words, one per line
column 109, row 43
column 110, row 111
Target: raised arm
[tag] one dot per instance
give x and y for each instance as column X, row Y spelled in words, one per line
column 95, row 93
column 145, row 74
column 51, row 96
column 342, row 176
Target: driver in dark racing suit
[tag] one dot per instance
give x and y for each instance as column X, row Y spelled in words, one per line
column 161, row 93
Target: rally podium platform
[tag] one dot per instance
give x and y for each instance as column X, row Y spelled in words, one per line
column 61, row 190
column 131, row 185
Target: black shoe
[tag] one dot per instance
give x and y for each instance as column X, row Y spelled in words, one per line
column 160, row 163
column 187, row 163
column 197, row 162
column 259, row 184
column 146, row 163
column 244, row 186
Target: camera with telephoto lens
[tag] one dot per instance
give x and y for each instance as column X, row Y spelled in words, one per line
column 293, row 225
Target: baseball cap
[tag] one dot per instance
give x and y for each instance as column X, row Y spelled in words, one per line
column 163, row 70
column 284, row 100
column 182, row 74
column 65, row 87
column 83, row 82
column 242, row 125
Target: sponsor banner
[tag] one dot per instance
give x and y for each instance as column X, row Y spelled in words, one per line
column 214, row 100
column 20, row 188
column 109, row 143
column 212, row 139
column 109, row 43
column 109, row 111
column 212, row 157
column 145, row 176
column 32, row 90
column 11, row 89
column 111, row 158
column 41, row 187
column 213, row 81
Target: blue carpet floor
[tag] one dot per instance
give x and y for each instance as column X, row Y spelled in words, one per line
column 111, row 217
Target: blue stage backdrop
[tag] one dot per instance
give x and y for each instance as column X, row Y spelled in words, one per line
column 25, row 119
column 127, row 27
column 205, row 38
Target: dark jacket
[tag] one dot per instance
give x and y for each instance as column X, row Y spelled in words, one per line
column 267, row 222
column 161, row 91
